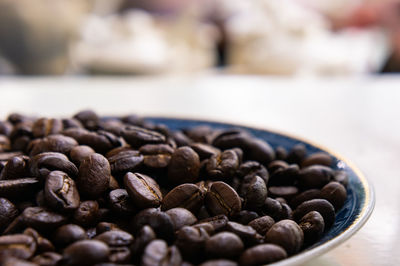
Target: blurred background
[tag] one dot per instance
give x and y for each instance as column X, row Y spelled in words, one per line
column 157, row 37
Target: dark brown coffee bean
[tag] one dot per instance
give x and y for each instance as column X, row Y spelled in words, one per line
column 158, row 253
column 181, row 217
column 5, row 128
column 112, row 125
column 119, row 255
column 254, row 192
column 285, row 176
column 320, row 158
column 222, row 199
column 245, row 216
column 71, row 123
column 335, row 193
column 320, row 205
column 281, row 153
column 52, row 143
column 304, row 196
column 126, row 160
column 286, row 192
column 158, row 220
column 218, row 222
column 341, row 177
column 16, row 167
column 191, row 241
column 120, row 202
column 204, row 151
column 220, row 262
column 100, row 141
column 85, row 252
column 87, row 213
column 156, row 155
column 88, row 118
column 184, row 166
column 42, row 244
column 253, row 168
column 137, row 136
column 42, row 219
column 8, row 212
column 143, row 191
column 105, row 227
column 262, row 224
column 297, row 154
column 313, row 226
column 287, row 234
column 5, row 144
column 143, row 237
column 5, row 156
column 43, row 163
column 94, row 176
column 47, row 259
column 222, row 166
column 200, row 134
column 315, row 176
column 44, row 127
column 18, row 246
column 180, row 138
column 276, row 165
column 18, row 188
column 79, row 153
column 248, row 234
column 262, row 254
column 115, row 238
column 68, row 234
column 188, row 196
column 60, row 192
column 224, row 245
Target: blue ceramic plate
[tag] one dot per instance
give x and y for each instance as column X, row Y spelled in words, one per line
column 356, row 210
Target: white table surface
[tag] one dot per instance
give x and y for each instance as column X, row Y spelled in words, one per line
column 358, row 117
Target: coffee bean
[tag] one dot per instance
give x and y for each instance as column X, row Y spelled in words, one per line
column 191, row 241
column 200, row 134
column 204, row 151
column 222, row 199
column 222, row 166
column 42, row 219
column 245, row 216
column 220, row 262
column 100, row 141
column 119, row 255
column 156, row 155
column 52, row 143
column 79, row 153
column 124, row 161
column 16, row 167
column 18, row 245
column 341, row 177
column 285, row 176
column 43, row 163
column 143, row 191
column 5, row 144
column 71, row 123
column 5, row 128
column 115, row 238
column 218, row 222
column 184, row 166
column 286, row 192
column 262, row 254
column 320, row 205
column 5, row 156
column 315, row 176
column 335, row 193
column 94, row 176
column 68, row 234
column 47, row 259
column 87, row 213
column 181, row 217
column 44, row 127
column 158, row 253
column 120, row 202
column 297, row 154
column 42, row 244
column 158, row 220
column 305, row 196
column 254, row 192
column 188, row 196
column 88, row 118
column 18, row 188
column 249, row 236
column 262, row 224
column 313, row 226
column 253, row 168
column 276, row 165
column 287, row 234
column 320, row 158
column 85, row 252
column 143, row 238
column 224, row 245
column 137, row 136
column 8, row 212
column 60, row 192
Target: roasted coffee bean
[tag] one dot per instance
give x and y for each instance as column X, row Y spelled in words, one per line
column 158, row 220
column 44, row 127
column 5, row 156
column 120, row 202
column 297, row 154
column 113, row 183
column 313, row 226
column 143, row 191
column 248, row 234
column 16, row 167
column 43, row 163
column 341, row 177
column 47, row 259
column 200, row 134
column 254, row 192
column 42, row 219
column 42, row 244
column 191, row 241
column 281, row 153
column 315, row 176
column 335, row 193
column 20, row 130
column 60, row 192
column 305, row 196
column 253, row 168
column 71, row 123
column 245, row 216
column 112, row 125
column 115, row 238
column 184, row 166
column 156, row 155
column 94, row 176
column 158, row 253
column 218, row 222
column 320, row 158
column 222, row 199
column 124, row 161
column 79, row 153
column 132, row 119
column 276, row 165
column 180, row 138
column 222, row 166
column 119, row 255
column 220, row 262
column 287, row 234
column 100, row 141
column 286, row 192
column 105, row 227
column 76, row 133
column 18, row 188
column 262, row 254
column 208, row 227
column 188, row 196
column 285, row 176
column 52, row 143
column 181, row 217
column 137, row 136
column 8, row 212
column 204, row 151
column 68, row 234
column 5, row 128
column 143, row 237
column 224, row 245
column 19, row 246
column 276, row 209
column 320, row 205
column 87, row 213
column 262, row 224
column 85, row 252
column 88, row 118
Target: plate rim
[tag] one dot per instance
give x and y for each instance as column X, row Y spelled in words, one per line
column 366, row 209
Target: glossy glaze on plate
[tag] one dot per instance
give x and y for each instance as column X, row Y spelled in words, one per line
column 350, row 218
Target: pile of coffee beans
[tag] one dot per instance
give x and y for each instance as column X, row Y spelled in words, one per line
column 92, row 190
